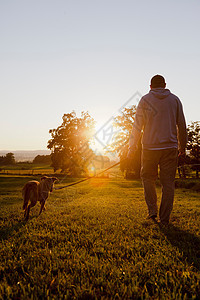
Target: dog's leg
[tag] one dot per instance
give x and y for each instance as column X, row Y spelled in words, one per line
column 32, row 204
column 33, row 201
column 28, row 211
column 25, row 212
column 42, row 207
column 26, row 196
column 25, row 209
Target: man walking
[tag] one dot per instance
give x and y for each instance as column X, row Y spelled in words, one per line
column 160, row 117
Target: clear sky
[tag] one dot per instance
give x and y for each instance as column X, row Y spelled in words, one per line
column 58, row 56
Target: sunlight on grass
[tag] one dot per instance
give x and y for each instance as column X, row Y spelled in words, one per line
column 93, row 242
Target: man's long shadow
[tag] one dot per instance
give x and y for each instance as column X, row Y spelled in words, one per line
column 186, row 242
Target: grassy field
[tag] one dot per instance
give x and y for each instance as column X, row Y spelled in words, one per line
column 93, row 242
column 26, row 169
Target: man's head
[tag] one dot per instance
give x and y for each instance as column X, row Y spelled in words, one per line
column 157, row 81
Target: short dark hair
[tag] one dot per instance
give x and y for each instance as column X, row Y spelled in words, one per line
column 158, row 81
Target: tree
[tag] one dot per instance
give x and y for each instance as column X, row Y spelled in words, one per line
column 194, row 145
column 124, row 124
column 70, row 144
column 42, row 159
column 9, row 159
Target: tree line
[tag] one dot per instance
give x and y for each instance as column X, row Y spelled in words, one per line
column 124, row 123
column 71, row 151
column 8, row 159
column 72, row 154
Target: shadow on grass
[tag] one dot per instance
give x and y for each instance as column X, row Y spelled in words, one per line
column 9, row 230
column 186, row 242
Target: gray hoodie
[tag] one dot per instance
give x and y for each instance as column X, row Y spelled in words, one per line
column 160, row 116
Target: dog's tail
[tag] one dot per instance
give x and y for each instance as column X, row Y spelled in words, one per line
column 26, row 195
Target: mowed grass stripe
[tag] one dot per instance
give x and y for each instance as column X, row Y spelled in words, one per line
column 93, row 242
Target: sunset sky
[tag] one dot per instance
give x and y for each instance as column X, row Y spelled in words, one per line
column 59, row 56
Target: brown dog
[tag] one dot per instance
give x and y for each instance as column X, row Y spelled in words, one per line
column 34, row 191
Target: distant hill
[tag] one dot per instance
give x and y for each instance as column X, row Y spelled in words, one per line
column 25, row 155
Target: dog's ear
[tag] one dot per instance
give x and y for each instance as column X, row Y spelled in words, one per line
column 55, row 179
column 43, row 177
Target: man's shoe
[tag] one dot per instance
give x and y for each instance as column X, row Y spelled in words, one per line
column 163, row 224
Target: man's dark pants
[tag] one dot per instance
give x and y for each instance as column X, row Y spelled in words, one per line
column 166, row 159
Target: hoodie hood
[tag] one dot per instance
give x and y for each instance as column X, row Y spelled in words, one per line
column 160, row 93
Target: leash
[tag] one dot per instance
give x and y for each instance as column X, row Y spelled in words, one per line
column 88, row 178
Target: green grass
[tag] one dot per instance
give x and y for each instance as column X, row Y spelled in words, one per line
column 26, row 166
column 26, row 169
column 93, row 242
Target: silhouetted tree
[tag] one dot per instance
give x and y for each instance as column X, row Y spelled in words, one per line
column 70, row 144
column 9, row 159
column 42, row 159
column 194, row 145
column 2, row 160
column 124, row 124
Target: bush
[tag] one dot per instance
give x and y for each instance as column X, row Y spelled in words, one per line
column 187, row 184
